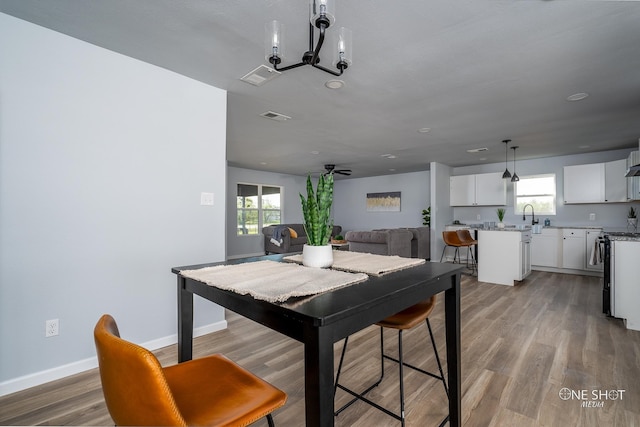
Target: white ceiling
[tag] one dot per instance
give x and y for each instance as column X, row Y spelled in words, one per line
column 475, row 72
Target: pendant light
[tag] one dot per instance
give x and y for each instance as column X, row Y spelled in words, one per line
column 506, row 173
column 515, row 177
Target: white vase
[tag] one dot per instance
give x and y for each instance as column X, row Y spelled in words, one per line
column 501, row 224
column 317, row 256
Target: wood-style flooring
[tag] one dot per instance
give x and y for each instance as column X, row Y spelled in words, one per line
column 523, row 348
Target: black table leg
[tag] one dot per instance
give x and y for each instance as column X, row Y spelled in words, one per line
column 452, row 323
column 318, row 377
column 185, row 322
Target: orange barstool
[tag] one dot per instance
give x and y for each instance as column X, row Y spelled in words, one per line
column 211, row 390
column 468, row 241
column 451, row 239
column 401, row 321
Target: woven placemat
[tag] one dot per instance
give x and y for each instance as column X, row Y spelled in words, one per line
column 371, row 264
column 273, row 281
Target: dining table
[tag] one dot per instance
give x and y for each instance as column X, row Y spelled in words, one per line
column 319, row 321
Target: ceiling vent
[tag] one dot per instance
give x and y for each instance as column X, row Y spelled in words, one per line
column 477, row 150
column 275, row 116
column 260, row 75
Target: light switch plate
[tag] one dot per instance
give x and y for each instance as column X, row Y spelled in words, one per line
column 206, row 199
column 592, row 217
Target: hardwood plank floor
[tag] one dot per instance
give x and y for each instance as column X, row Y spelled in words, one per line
column 520, row 347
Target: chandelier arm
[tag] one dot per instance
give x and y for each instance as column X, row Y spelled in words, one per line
column 316, row 51
column 288, row 67
column 335, row 73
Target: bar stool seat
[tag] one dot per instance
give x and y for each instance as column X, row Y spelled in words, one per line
column 406, row 319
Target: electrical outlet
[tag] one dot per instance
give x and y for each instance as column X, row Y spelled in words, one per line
column 478, row 217
column 592, row 217
column 51, row 328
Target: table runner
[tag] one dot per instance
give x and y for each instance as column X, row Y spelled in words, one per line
column 360, row 262
column 273, row 281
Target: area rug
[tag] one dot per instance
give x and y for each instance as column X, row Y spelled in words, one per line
column 371, row 264
column 273, row 281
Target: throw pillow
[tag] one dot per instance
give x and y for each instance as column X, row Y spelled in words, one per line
column 292, row 233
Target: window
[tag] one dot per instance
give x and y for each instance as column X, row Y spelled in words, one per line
column 257, row 206
column 537, row 190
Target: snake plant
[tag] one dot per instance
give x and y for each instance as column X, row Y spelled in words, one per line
column 317, row 210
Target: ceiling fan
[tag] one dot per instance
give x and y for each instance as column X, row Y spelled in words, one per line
column 332, row 168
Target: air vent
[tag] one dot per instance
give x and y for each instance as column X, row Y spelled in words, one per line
column 260, row 75
column 477, row 150
column 275, row 116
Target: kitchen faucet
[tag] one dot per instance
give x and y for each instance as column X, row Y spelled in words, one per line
column 534, row 221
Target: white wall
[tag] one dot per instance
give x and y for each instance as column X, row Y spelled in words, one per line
column 102, row 161
column 612, row 215
column 350, row 198
column 441, row 212
column 238, row 246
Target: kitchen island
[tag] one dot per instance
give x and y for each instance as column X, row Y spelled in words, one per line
column 505, row 255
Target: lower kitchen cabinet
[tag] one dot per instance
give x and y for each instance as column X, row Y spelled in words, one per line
column 574, row 248
column 545, row 248
column 559, row 249
column 505, row 256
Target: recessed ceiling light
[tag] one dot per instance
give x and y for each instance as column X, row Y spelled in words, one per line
column 477, row 150
column 263, row 163
column 482, row 159
column 577, row 96
column 334, row 84
column 424, row 130
column 315, row 152
column 392, row 170
column 388, row 156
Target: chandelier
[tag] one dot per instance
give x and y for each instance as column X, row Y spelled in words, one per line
column 320, row 17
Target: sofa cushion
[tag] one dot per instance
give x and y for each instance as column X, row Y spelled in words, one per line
column 293, row 233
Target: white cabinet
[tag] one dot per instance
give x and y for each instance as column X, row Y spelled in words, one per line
column 525, row 258
column 462, row 190
column 574, row 248
column 546, row 248
column 624, row 282
column 615, row 183
column 487, row 189
column 592, row 240
column 596, row 183
column 584, row 183
column 504, row 256
column 633, row 182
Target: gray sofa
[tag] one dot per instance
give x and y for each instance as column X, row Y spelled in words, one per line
column 288, row 244
column 404, row 242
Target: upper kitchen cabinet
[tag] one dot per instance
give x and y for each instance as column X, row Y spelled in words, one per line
column 487, row 189
column 615, row 183
column 596, row 183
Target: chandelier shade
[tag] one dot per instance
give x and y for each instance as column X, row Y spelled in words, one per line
column 506, row 173
column 515, row 177
column 321, row 17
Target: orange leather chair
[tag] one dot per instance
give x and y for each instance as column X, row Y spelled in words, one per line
column 401, row 321
column 467, row 240
column 451, row 239
column 211, row 391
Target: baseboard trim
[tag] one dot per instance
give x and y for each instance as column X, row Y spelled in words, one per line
column 38, row 378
